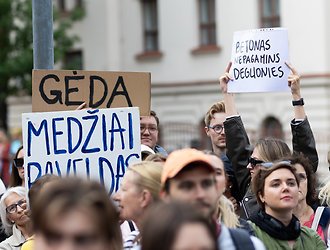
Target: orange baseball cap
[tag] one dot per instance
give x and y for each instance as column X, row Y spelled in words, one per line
column 178, row 159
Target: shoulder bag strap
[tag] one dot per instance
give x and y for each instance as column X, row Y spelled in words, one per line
column 317, row 218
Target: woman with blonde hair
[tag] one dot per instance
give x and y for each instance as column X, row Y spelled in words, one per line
column 139, row 189
column 226, row 213
column 324, row 196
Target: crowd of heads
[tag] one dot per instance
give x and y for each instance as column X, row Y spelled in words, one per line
column 174, row 201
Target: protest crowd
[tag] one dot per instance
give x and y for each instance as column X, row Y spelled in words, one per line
column 237, row 196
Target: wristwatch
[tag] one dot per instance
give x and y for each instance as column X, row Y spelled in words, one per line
column 300, row 102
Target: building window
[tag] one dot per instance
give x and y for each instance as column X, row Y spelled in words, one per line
column 73, row 60
column 65, row 5
column 207, row 22
column 79, row 3
column 150, row 25
column 61, row 5
column 269, row 13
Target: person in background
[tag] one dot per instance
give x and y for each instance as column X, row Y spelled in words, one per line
column 145, row 152
column 16, row 137
column 225, row 212
column 149, row 129
column 34, row 192
column 4, row 156
column 214, row 128
column 306, row 211
column 324, row 196
column 15, row 222
column 158, row 157
column 139, row 189
column 72, row 213
column 276, row 188
column 171, row 226
column 17, row 177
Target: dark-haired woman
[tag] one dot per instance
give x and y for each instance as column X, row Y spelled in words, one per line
column 276, row 189
column 308, row 214
column 17, row 170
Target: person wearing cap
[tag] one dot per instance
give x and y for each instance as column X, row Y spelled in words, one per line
column 188, row 176
column 149, row 128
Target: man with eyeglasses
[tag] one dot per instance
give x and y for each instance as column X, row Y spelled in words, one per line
column 214, row 129
column 149, row 126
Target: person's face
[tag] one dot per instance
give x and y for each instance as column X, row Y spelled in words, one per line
column 128, row 198
column 72, row 230
column 303, row 182
column 149, row 131
column 19, row 218
column 255, row 155
column 21, row 170
column 280, row 191
column 193, row 236
column 220, row 174
column 218, row 140
column 196, row 186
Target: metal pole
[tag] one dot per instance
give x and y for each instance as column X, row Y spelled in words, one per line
column 43, row 46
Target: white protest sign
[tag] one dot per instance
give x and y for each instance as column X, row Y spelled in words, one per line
column 258, row 61
column 93, row 144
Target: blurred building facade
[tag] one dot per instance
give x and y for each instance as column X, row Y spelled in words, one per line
column 186, row 45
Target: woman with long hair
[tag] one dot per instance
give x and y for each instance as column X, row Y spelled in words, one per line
column 17, row 177
column 307, row 212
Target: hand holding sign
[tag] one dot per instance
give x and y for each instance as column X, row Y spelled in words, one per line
column 294, row 82
column 225, row 79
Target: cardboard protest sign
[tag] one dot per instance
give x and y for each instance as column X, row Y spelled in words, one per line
column 258, row 61
column 56, row 90
column 93, row 144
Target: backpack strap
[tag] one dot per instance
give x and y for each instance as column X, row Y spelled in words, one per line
column 241, row 239
column 317, row 218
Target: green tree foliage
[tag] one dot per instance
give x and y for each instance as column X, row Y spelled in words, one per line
column 16, row 46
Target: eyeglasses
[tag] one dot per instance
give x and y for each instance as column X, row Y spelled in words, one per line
column 13, row 207
column 19, row 162
column 217, row 128
column 271, row 164
column 254, row 162
column 151, row 129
